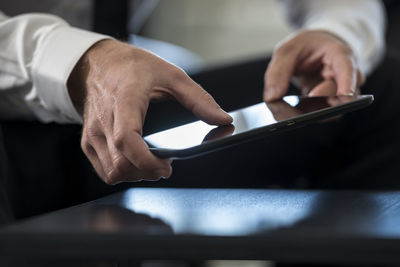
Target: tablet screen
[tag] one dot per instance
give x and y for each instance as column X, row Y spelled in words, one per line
column 244, row 120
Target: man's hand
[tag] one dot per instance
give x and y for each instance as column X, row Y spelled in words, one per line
column 321, row 62
column 114, row 83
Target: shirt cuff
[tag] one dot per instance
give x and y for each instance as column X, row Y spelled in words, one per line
column 52, row 65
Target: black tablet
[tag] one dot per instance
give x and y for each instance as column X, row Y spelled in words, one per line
column 250, row 123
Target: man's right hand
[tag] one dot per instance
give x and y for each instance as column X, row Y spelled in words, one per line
column 113, row 84
column 323, row 64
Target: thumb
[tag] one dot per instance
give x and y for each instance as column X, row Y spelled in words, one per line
column 193, row 97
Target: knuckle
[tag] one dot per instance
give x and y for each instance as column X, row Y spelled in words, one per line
column 85, row 146
column 177, row 75
column 123, row 133
column 92, row 131
column 118, row 139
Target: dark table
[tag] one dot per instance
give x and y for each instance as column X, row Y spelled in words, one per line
column 195, row 224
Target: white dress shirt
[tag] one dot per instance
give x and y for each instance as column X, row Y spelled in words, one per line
column 39, row 51
column 360, row 23
column 37, row 55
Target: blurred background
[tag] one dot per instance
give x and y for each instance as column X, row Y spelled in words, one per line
column 218, row 32
column 192, row 34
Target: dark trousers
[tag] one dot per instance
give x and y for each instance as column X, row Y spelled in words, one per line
column 5, row 214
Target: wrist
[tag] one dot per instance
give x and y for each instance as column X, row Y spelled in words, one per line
column 79, row 77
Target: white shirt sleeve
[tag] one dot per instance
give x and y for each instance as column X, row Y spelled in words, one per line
column 360, row 23
column 37, row 55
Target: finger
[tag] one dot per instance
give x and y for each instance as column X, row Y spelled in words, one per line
column 308, row 82
column 92, row 156
column 345, row 75
column 119, row 168
column 127, row 139
column 279, row 72
column 360, row 79
column 193, row 97
column 325, row 88
column 339, row 100
column 99, row 145
column 136, row 151
column 125, row 171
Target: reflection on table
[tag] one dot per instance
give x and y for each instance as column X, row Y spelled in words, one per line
column 288, row 225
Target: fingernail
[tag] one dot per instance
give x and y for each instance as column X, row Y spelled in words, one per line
column 226, row 114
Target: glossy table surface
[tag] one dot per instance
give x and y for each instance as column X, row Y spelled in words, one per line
column 153, row 223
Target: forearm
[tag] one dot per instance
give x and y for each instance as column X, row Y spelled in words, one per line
column 37, row 54
column 360, row 23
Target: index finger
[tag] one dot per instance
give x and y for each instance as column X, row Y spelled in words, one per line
column 345, row 74
column 193, row 97
column 279, row 72
column 127, row 136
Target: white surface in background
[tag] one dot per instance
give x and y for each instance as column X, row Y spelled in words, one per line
column 220, row 31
